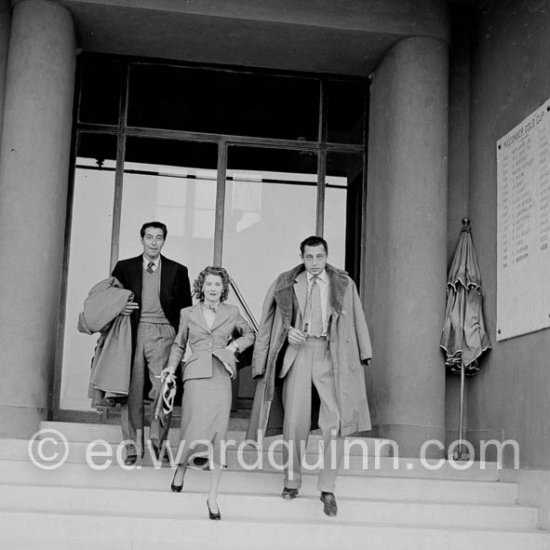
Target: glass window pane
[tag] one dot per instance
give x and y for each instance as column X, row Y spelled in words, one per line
column 345, row 114
column 89, row 257
column 175, row 183
column 343, row 211
column 270, row 208
column 100, row 85
column 223, row 102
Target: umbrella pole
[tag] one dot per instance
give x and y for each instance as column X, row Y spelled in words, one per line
column 462, row 453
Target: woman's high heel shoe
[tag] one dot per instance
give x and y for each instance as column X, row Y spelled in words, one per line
column 177, row 488
column 211, row 514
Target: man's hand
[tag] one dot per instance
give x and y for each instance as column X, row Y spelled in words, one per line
column 130, row 308
column 296, row 337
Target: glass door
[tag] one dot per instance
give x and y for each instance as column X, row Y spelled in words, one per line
column 170, row 181
column 270, row 207
column 88, row 258
column 173, row 182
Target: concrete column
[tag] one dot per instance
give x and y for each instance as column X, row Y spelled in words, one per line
column 5, row 18
column 34, row 162
column 407, row 241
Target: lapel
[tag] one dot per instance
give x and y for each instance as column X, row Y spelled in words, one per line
column 300, row 288
column 338, row 284
column 136, row 275
column 284, row 294
column 221, row 316
column 167, row 273
column 198, row 316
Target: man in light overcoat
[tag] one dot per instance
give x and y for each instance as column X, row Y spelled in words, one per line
column 313, row 335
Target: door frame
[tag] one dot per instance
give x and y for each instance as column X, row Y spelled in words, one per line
column 223, row 141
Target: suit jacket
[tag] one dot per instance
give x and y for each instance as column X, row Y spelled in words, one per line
column 175, row 290
column 208, row 342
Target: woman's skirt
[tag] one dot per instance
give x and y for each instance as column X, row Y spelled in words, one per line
column 206, row 406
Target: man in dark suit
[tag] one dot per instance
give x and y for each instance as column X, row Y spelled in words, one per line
column 161, row 289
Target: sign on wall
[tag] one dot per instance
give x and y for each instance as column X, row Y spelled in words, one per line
column 523, row 226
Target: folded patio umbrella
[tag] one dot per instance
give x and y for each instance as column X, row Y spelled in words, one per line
column 464, row 338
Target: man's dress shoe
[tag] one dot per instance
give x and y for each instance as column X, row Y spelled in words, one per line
column 130, row 460
column 289, row 494
column 199, row 463
column 329, row 504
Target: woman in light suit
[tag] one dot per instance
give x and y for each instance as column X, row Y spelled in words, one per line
column 209, row 328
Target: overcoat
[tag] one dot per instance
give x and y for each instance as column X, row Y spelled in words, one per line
column 112, row 361
column 349, row 343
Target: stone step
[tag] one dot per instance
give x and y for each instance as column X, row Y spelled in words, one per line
column 67, row 531
column 265, row 483
column 241, row 507
column 247, row 457
column 76, row 432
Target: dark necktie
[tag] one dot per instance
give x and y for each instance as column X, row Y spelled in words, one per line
column 150, row 266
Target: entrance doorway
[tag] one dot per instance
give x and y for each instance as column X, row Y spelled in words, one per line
column 241, row 166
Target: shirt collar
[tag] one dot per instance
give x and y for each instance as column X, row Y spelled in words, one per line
column 209, row 307
column 146, row 261
column 323, row 277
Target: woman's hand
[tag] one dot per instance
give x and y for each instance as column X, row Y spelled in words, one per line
column 168, row 371
column 230, row 370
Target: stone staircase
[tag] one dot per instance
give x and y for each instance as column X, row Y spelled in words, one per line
column 384, row 503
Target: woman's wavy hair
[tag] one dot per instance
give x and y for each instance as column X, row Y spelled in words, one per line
column 211, row 270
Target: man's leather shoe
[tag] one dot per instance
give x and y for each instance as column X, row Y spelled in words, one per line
column 199, row 463
column 130, row 460
column 329, row 504
column 289, row 494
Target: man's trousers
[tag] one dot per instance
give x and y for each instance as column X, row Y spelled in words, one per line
column 153, row 344
column 312, row 366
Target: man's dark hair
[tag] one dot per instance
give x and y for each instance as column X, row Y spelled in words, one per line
column 313, row 241
column 155, row 225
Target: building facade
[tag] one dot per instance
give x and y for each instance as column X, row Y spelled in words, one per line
column 247, row 126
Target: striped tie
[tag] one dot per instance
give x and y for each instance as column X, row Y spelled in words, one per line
column 150, row 266
column 316, row 313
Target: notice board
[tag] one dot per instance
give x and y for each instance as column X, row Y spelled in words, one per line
column 523, row 226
